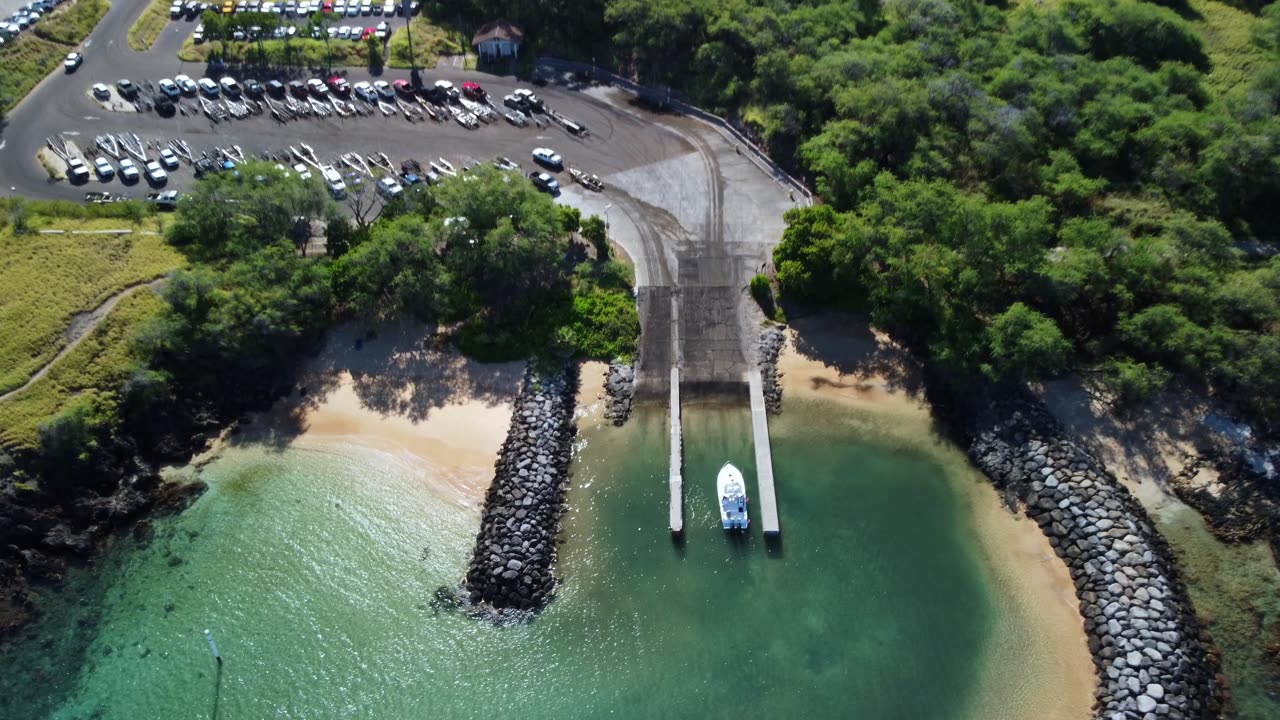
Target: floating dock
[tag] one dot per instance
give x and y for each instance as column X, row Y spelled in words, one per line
column 675, row 479
column 764, row 456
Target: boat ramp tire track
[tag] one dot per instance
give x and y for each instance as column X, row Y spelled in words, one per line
column 1142, row 630
column 512, row 564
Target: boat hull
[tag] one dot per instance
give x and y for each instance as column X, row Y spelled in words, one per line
column 731, row 496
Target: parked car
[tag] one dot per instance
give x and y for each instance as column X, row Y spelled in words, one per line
column 353, row 9
column 252, row 88
column 366, row 7
column 317, row 87
column 167, row 200
column 344, row 32
column 474, row 91
column 275, row 88
column 389, row 8
column 156, row 174
column 545, row 182
column 230, row 86
column 128, row 171
column 404, row 87
column 101, row 92
column 504, row 163
column 103, row 166
column 388, row 188
column 186, row 85
column 447, row 89
column 197, row 37
column 364, row 90
column 548, row 158
column 175, row 11
column 381, row 30
column 384, row 90
column 126, row 88
column 208, row 87
column 531, row 101
column 73, row 61
column 303, row 171
column 339, row 85
column 76, row 171
column 333, row 179
column 169, row 88
column 203, row 167
column 168, row 159
column 297, row 88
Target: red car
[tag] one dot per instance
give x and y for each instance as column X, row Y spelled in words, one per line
column 368, row 33
column 327, row 7
column 474, row 91
column 403, row 87
column 339, row 85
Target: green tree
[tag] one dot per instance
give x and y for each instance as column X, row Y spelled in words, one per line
column 597, row 233
column 1026, row 343
column 570, row 218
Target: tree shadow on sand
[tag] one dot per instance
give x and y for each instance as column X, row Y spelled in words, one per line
column 397, row 369
column 848, row 344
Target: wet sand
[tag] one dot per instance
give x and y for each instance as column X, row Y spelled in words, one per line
column 865, row 373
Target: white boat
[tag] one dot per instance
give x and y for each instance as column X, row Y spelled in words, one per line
column 732, row 492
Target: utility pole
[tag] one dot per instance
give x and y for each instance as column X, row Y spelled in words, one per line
column 212, row 647
column 406, row 10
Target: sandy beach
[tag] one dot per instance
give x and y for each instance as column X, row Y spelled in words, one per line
column 398, row 391
column 860, row 370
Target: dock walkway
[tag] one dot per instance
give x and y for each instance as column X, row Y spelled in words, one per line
column 764, row 455
column 675, row 479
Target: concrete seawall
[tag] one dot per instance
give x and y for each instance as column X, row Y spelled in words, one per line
column 1143, row 633
column 515, row 552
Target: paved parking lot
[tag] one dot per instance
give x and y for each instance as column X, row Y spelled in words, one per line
column 697, row 218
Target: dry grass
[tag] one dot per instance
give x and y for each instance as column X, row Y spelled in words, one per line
column 46, row 280
column 149, row 25
column 96, row 368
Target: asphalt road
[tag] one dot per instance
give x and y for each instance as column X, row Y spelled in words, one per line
column 697, row 218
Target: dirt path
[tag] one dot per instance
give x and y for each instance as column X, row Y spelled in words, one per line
column 81, row 326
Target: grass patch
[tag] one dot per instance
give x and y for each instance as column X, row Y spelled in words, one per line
column 297, row 52
column 149, row 25
column 1229, row 39
column 47, row 279
column 31, row 56
column 91, row 373
column 429, row 43
column 71, row 24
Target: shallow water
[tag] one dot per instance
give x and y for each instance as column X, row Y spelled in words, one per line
column 314, row 567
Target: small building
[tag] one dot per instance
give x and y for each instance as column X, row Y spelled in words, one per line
column 498, row 39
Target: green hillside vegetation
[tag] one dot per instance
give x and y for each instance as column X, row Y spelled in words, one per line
column 89, row 376
column 48, row 279
column 1015, row 190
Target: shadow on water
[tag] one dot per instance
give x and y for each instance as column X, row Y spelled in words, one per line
column 217, row 690
column 679, row 545
column 773, row 546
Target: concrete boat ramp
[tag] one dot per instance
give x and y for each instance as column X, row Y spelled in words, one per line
column 767, row 505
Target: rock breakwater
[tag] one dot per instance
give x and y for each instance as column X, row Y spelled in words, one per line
column 619, row 389
column 767, row 350
column 1143, row 633
column 511, row 565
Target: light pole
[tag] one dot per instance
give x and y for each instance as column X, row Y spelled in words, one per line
column 408, row 33
column 606, row 220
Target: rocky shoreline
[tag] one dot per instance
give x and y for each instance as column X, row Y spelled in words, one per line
column 768, row 347
column 1143, row 633
column 515, row 551
column 619, row 390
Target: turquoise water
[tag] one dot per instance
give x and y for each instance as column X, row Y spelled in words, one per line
column 314, row 566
